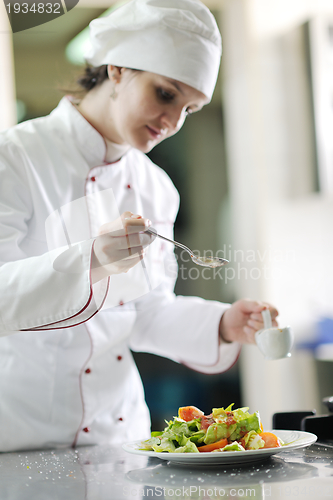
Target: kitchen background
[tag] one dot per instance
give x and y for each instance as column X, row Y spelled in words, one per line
column 255, row 174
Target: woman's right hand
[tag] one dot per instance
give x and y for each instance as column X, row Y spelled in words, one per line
column 120, row 245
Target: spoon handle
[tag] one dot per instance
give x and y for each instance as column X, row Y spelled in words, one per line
column 170, row 241
column 266, row 316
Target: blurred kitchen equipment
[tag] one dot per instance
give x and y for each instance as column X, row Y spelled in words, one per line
column 274, row 343
column 309, row 421
column 200, row 260
column 290, row 420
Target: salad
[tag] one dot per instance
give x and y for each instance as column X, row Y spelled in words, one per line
column 223, row 430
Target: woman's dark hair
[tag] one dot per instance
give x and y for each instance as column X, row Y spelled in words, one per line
column 92, row 77
column 88, row 79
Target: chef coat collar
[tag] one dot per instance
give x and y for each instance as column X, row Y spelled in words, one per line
column 95, row 150
column 115, row 151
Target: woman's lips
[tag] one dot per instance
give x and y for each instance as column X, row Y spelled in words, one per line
column 156, row 133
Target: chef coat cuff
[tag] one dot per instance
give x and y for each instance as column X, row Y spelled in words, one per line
column 227, row 356
column 98, row 291
column 226, row 353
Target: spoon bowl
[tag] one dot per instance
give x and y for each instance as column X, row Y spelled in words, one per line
column 200, row 260
column 208, row 261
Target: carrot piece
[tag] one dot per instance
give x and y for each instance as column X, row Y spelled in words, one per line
column 271, row 441
column 213, row 446
column 188, row 413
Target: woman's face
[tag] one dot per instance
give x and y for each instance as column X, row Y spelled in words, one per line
column 147, row 108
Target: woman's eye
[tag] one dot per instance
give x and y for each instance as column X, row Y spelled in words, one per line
column 165, row 95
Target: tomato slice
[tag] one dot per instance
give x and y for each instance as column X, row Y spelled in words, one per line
column 188, row 413
column 271, row 441
column 213, row 446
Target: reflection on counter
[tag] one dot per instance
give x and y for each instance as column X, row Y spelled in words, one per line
column 217, row 481
column 109, row 473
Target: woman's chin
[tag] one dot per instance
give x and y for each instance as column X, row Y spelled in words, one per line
column 146, row 147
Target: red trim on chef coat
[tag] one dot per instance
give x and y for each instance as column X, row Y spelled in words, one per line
column 37, row 329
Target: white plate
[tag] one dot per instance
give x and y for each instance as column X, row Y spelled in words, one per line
column 296, row 439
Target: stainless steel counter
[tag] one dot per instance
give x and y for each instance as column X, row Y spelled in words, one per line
column 109, row 473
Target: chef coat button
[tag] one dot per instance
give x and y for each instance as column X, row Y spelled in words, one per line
column 121, row 303
column 121, row 419
column 93, row 179
column 119, row 358
column 128, row 186
column 88, row 370
column 86, row 429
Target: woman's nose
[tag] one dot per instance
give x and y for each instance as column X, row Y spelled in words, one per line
column 174, row 119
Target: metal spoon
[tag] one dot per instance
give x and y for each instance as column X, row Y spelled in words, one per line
column 200, row 260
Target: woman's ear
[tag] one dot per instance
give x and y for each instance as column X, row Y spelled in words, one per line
column 114, row 73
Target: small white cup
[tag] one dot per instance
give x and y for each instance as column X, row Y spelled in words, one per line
column 274, row 343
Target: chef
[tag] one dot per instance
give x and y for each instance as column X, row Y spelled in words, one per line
column 81, row 281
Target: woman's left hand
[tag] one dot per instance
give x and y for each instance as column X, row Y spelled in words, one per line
column 240, row 322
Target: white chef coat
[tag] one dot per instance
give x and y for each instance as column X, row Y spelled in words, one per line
column 67, row 375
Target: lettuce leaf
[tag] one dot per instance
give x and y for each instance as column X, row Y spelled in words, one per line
column 165, row 444
column 189, row 447
column 235, row 446
column 253, row 441
column 149, row 443
column 218, row 431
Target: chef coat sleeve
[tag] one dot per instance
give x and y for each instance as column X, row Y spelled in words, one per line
column 185, row 329
column 33, row 295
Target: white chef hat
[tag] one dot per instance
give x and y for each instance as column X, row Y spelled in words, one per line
column 178, row 39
